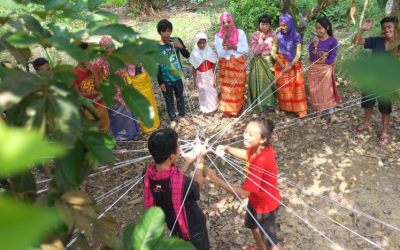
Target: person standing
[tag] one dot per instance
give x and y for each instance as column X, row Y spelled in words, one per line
column 231, row 46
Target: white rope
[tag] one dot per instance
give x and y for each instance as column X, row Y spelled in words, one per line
column 293, row 212
column 107, row 209
column 305, row 204
column 253, row 104
column 239, row 162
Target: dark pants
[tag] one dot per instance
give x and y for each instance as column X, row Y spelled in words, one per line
column 177, row 88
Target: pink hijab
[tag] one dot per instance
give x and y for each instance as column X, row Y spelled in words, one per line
column 233, row 39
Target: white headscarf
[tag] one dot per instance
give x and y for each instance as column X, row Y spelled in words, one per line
column 198, row 56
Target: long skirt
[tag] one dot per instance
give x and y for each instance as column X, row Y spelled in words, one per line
column 142, row 83
column 322, row 87
column 123, row 124
column 261, row 83
column 232, row 74
column 291, row 90
column 208, row 94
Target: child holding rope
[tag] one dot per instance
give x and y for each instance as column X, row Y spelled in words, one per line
column 260, row 185
column 166, row 186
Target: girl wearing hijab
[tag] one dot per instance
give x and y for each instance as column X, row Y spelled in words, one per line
column 231, row 45
column 203, row 60
column 262, row 67
column 286, row 50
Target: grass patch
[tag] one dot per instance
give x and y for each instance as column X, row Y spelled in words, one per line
column 116, row 3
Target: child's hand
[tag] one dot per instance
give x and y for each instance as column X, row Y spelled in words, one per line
column 367, row 25
column 315, row 42
column 221, row 148
column 177, row 44
column 163, row 88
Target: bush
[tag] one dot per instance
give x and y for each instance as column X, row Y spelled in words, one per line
column 246, row 12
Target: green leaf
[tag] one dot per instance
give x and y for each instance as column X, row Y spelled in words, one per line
column 119, row 32
column 63, row 115
column 127, row 238
column 54, row 4
column 34, row 26
column 22, row 226
column 22, row 40
column 21, row 55
column 138, row 105
column 23, row 186
column 94, row 4
column 99, row 145
column 16, row 86
column 149, row 230
column 20, row 149
column 108, row 92
column 174, row 243
column 72, row 169
column 146, row 52
column 375, row 74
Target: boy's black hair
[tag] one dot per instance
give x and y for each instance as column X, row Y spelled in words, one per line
column 264, row 19
column 40, row 61
column 266, row 128
column 163, row 25
column 390, row 19
column 162, row 144
column 324, row 22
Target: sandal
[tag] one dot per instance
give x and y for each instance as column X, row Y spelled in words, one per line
column 384, row 139
column 360, row 128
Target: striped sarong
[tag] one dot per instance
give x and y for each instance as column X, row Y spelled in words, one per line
column 232, row 75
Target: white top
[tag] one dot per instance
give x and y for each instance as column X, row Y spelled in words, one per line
column 242, row 47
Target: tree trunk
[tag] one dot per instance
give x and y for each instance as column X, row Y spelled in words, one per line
column 363, row 12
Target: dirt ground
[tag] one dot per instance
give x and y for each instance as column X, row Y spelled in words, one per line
column 315, row 159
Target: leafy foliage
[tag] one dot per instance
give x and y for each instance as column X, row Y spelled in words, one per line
column 247, row 12
column 46, row 105
column 148, row 233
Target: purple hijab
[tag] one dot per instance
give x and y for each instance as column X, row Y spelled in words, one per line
column 287, row 41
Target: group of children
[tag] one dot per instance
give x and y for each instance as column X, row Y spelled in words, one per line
column 276, row 58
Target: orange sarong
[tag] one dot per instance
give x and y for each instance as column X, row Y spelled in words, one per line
column 291, row 90
column 232, row 75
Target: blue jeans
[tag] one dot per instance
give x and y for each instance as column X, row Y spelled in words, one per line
column 177, row 89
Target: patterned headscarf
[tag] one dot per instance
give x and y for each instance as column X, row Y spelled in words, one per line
column 233, row 39
column 287, row 41
column 106, row 41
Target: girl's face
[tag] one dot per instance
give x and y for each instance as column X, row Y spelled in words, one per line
column 202, row 43
column 227, row 23
column 388, row 30
column 252, row 136
column 264, row 27
column 283, row 27
column 321, row 31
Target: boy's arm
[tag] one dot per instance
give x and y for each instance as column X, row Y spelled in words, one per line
column 184, row 51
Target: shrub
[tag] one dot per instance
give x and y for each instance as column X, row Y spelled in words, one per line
column 246, row 12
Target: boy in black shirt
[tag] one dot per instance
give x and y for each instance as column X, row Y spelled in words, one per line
column 170, row 79
column 165, row 185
